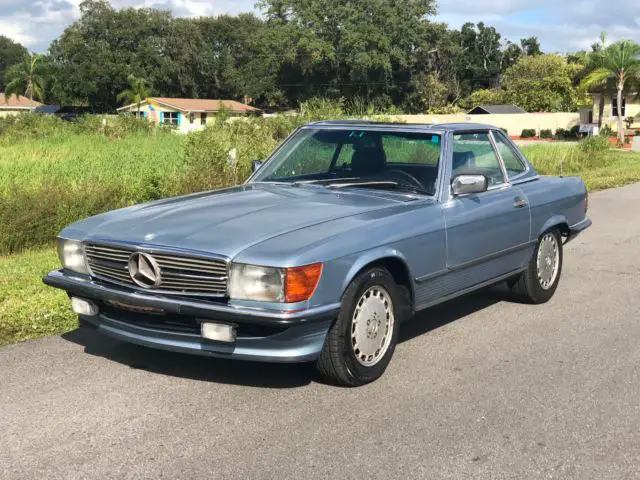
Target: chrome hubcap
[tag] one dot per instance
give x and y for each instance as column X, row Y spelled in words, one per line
column 548, row 261
column 372, row 326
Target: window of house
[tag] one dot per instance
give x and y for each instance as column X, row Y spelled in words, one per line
column 171, row 118
column 203, row 119
column 473, row 154
column 141, row 114
column 512, row 162
column 614, row 107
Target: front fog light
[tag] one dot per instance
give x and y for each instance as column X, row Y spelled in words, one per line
column 84, row 307
column 219, row 332
column 71, row 255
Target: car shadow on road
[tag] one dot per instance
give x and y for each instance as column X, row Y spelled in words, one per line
column 254, row 374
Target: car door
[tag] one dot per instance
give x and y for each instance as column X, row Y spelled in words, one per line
column 488, row 232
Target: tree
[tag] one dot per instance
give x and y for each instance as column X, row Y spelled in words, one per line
column 531, row 46
column 620, row 61
column 11, row 53
column 374, row 50
column 485, row 97
column 542, row 83
column 26, row 78
column 136, row 92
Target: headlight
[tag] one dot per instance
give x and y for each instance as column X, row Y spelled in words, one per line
column 271, row 284
column 71, row 255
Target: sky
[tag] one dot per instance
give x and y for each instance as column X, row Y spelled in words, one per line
column 560, row 25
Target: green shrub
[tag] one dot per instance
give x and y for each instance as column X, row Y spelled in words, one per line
column 594, row 143
column 561, row 133
column 528, row 133
column 606, row 131
column 506, row 132
column 546, row 133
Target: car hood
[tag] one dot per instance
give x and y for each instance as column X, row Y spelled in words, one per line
column 225, row 222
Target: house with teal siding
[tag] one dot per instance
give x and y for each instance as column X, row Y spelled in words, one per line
column 185, row 114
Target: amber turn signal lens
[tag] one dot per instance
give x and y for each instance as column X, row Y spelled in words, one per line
column 301, row 282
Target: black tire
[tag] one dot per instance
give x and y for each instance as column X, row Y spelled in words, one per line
column 527, row 287
column 337, row 362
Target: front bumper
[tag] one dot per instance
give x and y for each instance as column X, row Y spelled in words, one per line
column 298, row 336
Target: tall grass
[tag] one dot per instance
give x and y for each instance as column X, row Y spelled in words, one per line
column 53, row 172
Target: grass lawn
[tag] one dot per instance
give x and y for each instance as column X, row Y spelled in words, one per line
column 28, row 308
column 599, row 170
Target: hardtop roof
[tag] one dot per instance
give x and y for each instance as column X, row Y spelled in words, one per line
column 446, row 127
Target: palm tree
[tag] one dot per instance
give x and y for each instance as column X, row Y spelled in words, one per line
column 620, row 61
column 136, row 93
column 26, row 78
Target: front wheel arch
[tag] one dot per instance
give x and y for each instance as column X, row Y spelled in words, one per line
column 397, row 266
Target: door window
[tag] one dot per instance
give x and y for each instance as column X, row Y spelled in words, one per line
column 512, row 162
column 473, row 154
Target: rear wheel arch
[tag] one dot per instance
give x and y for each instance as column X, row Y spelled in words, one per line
column 557, row 222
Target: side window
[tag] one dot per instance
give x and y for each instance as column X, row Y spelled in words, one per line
column 512, row 163
column 474, row 154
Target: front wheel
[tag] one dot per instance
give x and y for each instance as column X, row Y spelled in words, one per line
column 539, row 281
column 361, row 342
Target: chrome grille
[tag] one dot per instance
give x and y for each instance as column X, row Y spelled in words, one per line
column 179, row 274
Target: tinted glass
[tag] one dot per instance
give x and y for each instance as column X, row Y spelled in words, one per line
column 324, row 155
column 412, row 149
column 473, row 154
column 512, row 163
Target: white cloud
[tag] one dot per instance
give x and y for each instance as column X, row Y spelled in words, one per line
column 561, row 25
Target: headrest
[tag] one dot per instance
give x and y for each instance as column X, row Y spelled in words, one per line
column 366, row 161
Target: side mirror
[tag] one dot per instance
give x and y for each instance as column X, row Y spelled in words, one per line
column 255, row 165
column 467, row 184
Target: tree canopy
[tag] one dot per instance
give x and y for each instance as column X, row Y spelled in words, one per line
column 11, row 53
column 378, row 54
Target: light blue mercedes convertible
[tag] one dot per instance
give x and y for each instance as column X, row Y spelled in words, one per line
column 346, row 230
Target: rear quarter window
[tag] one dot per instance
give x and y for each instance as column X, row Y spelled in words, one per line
column 512, row 162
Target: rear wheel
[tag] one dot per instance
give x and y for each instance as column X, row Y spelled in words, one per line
column 539, row 282
column 361, row 342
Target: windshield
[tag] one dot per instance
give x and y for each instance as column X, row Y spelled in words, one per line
column 357, row 158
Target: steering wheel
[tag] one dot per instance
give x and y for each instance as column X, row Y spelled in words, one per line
column 406, row 175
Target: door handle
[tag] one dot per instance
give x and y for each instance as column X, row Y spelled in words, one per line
column 520, row 203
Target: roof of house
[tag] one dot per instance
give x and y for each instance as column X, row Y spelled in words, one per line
column 14, row 102
column 199, row 105
column 484, row 109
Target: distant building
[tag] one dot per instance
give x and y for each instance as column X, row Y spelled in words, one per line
column 186, row 114
column 496, row 110
column 630, row 108
column 13, row 105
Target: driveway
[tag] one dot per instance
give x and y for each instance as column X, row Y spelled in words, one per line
column 478, row 388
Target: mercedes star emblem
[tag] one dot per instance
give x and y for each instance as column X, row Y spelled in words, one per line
column 144, row 270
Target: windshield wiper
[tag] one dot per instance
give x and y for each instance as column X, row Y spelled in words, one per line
column 382, row 184
column 320, row 180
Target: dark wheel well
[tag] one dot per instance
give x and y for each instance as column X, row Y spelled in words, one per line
column 563, row 228
column 398, row 270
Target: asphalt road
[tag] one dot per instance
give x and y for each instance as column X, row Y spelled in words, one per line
column 479, row 388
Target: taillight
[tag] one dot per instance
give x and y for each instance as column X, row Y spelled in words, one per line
column 586, row 201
